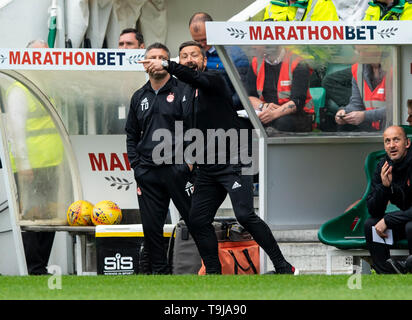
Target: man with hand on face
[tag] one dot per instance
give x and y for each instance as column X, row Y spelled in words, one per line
column 391, row 183
column 211, row 102
column 157, row 105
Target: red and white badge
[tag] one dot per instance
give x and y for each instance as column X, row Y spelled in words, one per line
column 171, row 97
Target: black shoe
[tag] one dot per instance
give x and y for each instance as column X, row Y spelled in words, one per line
column 287, row 268
column 408, row 264
column 271, row 272
column 398, row 265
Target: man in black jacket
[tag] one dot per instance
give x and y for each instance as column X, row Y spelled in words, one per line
column 391, row 183
column 160, row 177
column 211, row 102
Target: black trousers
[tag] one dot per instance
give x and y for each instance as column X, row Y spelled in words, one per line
column 380, row 251
column 211, row 189
column 37, row 248
column 158, row 185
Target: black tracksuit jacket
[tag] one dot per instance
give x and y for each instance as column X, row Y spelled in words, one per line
column 399, row 193
column 150, row 111
column 210, row 100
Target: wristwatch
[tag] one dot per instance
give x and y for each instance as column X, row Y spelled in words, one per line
column 165, row 64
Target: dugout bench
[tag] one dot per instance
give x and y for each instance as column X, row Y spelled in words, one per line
column 84, row 243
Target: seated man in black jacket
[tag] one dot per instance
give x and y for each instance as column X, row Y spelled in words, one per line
column 391, row 183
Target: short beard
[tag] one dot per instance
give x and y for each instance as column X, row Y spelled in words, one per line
column 158, row 75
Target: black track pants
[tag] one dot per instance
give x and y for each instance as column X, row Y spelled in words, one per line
column 211, row 189
column 380, row 251
column 159, row 185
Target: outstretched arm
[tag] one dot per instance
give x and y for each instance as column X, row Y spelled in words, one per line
column 209, row 81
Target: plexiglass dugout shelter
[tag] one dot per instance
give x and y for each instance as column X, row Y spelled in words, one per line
column 63, row 114
column 307, row 178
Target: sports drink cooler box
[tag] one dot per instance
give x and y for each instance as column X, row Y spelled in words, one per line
column 118, row 247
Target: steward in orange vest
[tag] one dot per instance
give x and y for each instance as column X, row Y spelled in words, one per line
column 368, row 97
column 279, row 88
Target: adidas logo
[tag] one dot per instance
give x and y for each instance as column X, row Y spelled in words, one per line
column 236, row 185
column 184, row 99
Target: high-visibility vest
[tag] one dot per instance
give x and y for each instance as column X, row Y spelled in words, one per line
column 372, row 100
column 284, row 84
column 43, row 142
column 407, row 11
column 279, row 11
column 301, row 10
column 401, row 11
column 314, row 10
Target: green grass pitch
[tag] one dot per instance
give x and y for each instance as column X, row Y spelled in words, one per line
column 192, row 287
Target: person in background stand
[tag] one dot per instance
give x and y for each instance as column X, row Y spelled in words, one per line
column 197, row 28
column 37, row 151
column 409, row 119
column 130, row 38
column 366, row 110
column 338, row 84
column 303, row 10
column 113, row 118
column 278, row 87
column 388, row 10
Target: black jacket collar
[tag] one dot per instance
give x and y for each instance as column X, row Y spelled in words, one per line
column 169, row 84
column 402, row 164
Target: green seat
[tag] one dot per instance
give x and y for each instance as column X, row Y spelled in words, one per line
column 318, row 97
column 342, row 231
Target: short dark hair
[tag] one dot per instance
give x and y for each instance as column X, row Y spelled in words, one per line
column 137, row 34
column 200, row 17
column 158, row 45
column 192, row 43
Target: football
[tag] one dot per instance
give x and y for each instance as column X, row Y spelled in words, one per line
column 106, row 212
column 79, row 213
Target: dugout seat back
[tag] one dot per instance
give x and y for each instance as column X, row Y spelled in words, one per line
column 318, row 97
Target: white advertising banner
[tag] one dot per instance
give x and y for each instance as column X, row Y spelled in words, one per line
column 311, row 32
column 72, row 59
column 105, row 171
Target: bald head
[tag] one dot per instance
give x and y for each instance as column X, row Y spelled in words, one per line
column 197, row 28
column 37, row 44
column 200, row 17
column 396, row 143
